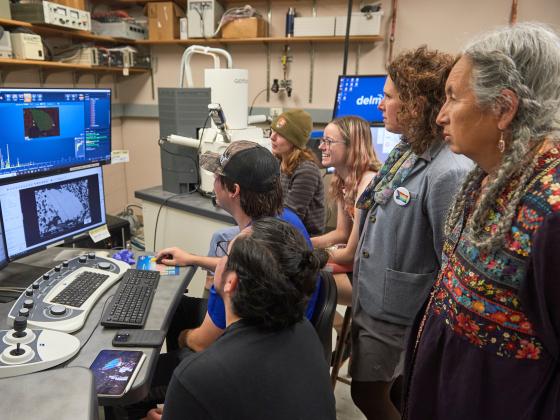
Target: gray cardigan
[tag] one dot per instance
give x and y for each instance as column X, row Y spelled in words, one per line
column 399, row 251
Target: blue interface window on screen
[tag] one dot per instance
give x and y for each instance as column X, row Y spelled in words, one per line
column 47, row 129
column 360, row 95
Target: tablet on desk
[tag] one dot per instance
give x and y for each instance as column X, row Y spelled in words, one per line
column 114, row 371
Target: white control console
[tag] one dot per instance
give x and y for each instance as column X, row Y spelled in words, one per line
column 24, row 351
column 62, row 298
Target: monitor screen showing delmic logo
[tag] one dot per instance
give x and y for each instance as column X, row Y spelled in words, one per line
column 46, row 129
column 360, row 96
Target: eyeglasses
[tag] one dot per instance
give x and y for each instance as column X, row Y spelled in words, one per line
column 328, row 141
column 223, row 247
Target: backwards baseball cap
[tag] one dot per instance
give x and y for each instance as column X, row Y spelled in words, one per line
column 245, row 162
column 295, row 126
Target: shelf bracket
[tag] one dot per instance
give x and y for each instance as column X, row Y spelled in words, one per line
column 42, row 77
column 311, row 70
column 116, row 85
column 267, row 72
column 152, row 82
column 358, row 54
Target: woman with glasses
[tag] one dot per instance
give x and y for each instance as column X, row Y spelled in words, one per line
column 301, row 178
column 347, row 147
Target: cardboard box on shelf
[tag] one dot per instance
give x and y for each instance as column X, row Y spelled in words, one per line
column 360, row 24
column 181, row 3
column 76, row 4
column 314, row 26
column 163, row 20
column 252, row 27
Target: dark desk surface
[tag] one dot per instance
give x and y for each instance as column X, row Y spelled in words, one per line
column 192, row 203
column 94, row 337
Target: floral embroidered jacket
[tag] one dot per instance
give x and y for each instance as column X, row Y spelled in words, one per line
column 488, row 344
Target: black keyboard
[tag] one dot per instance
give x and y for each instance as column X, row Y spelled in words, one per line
column 80, row 289
column 132, row 300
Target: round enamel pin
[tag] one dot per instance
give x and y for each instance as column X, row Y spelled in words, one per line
column 401, row 196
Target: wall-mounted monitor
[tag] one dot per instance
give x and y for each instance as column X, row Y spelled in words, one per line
column 48, row 129
column 360, row 95
column 40, row 211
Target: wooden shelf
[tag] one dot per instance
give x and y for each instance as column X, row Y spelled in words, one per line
column 53, row 65
column 67, row 33
column 272, row 40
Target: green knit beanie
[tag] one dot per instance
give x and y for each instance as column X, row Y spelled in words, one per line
column 295, row 126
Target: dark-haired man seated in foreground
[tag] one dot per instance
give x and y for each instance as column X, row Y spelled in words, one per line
column 247, row 186
column 269, row 363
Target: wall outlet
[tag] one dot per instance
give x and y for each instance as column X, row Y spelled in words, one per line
column 275, row 111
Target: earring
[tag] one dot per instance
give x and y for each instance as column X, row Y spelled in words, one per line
column 501, row 143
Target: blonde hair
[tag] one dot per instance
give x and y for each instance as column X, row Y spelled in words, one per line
column 361, row 158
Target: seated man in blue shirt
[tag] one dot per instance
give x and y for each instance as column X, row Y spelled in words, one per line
column 247, row 185
column 268, row 364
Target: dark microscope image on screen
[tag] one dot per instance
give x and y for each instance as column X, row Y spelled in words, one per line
column 41, row 122
column 62, row 208
column 50, row 211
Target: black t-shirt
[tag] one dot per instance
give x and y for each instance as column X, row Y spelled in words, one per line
column 250, row 373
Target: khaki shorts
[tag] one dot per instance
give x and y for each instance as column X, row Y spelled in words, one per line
column 378, row 347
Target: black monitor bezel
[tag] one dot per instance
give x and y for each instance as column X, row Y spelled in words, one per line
column 49, row 243
column 371, row 123
column 37, row 174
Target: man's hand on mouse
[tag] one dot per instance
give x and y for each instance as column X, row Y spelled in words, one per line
column 173, row 256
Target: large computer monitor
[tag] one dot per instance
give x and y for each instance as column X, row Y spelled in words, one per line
column 47, row 129
column 360, row 95
column 40, row 211
column 3, row 252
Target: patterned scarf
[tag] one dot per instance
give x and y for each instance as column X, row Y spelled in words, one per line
column 398, row 165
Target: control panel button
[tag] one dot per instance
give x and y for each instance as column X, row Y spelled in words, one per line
column 28, row 303
column 91, row 255
column 29, row 292
column 24, row 312
column 58, row 267
column 35, row 285
column 82, row 258
column 65, row 263
column 46, row 276
column 58, row 310
column 104, row 265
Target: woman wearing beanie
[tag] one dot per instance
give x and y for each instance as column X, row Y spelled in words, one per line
column 300, row 175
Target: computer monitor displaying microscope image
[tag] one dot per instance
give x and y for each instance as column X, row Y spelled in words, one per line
column 41, row 211
column 48, row 129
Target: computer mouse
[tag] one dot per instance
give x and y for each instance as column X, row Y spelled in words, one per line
column 164, row 257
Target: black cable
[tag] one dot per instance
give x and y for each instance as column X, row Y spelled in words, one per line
column 347, row 37
column 255, row 98
column 163, row 204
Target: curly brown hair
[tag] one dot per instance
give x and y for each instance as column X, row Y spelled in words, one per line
column 419, row 76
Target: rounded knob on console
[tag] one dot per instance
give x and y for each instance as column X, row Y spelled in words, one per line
column 46, row 276
column 28, row 303
column 35, row 284
column 20, row 324
column 82, row 258
column 29, row 292
column 65, row 263
column 91, row 255
column 104, row 265
column 58, row 310
column 58, row 267
column 24, row 312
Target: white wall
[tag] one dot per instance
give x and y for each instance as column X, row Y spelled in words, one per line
column 441, row 24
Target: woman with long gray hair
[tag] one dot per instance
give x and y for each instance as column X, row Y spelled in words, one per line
column 488, row 343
